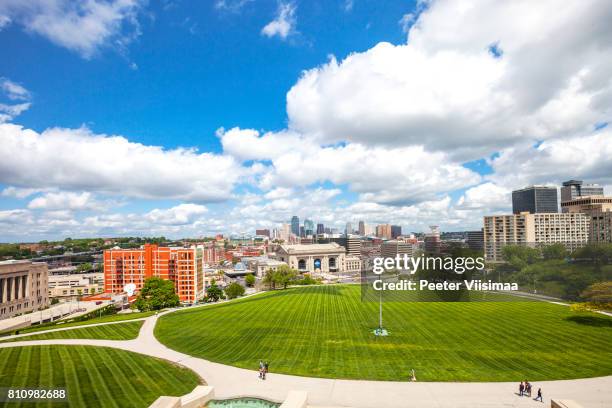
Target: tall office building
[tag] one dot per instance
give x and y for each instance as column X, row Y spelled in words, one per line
column 383, row 231
column 570, row 229
column 348, row 229
column 262, row 232
column 362, row 228
column 308, row 227
column 573, row 189
column 599, row 208
column 394, row 247
column 23, row 287
column 396, row 231
column 535, row 199
column 295, row 225
column 320, row 229
column 351, row 243
column 183, row 266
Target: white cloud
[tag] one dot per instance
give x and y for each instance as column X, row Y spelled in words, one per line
column 233, row 6
column 13, row 90
column 20, row 193
column 77, row 159
column 284, row 23
column 8, row 112
column 83, row 26
column 65, row 200
column 553, row 161
column 348, row 5
column 446, row 90
column 487, row 196
column 380, row 174
column 180, row 215
column 406, row 22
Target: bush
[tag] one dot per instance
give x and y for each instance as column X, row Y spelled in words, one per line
column 233, row 290
column 249, row 280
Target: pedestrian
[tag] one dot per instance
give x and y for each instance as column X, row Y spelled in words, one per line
column 539, row 397
column 261, row 369
column 521, row 389
column 265, row 370
column 412, row 375
column 528, row 388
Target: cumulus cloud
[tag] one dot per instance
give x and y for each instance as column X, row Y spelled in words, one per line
column 284, row 23
column 77, row 159
column 557, row 160
column 381, row 174
column 447, row 90
column 82, row 26
column 66, row 200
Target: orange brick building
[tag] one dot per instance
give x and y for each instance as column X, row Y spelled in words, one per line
column 183, row 266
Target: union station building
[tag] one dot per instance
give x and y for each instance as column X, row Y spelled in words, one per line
column 313, row 257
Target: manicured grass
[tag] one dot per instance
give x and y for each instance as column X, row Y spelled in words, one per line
column 60, row 324
column 93, row 376
column 119, row 331
column 326, row 331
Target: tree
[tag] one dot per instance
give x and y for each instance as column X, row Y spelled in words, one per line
column 249, row 280
column 233, row 290
column 284, row 275
column 554, row 251
column 519, row 256
column 84, row 267
column 214, row 292
column 598, row 296
column 270, row 279
column 156, row 294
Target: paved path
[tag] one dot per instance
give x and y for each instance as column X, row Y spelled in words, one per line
column 233, row 382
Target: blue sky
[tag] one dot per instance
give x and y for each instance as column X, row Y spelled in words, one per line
column 388, row 111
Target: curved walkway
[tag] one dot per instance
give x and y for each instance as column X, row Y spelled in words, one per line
column 230, row 382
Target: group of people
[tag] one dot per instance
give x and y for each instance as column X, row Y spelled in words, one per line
column 525, row 391
column 263, row 369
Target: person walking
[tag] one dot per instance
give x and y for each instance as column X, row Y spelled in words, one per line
column 528, row 388
column 521, row 388
column 539, row 397
column 265, row 371
column 261, row 369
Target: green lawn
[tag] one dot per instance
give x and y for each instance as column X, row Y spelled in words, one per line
column 326, row 331
column 93, row 376
column 120, row 331
column 60, row 324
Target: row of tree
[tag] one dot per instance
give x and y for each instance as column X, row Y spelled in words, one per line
column 555, row 271
column 157, row 294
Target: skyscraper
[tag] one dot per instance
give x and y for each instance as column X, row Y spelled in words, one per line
column 362, row 230
column 573, row 189
column 308, row 227
column 320, row 229
column 383, row 231
column 396, row 231
column 348, row 229
column 535, row 199
column 295, row 225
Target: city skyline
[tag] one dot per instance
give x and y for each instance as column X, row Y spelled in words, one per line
column 122, row 133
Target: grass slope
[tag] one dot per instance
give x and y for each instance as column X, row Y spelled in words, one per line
column 326, row 331
column 119, row 331
column 93, row 376
column 61, row 324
